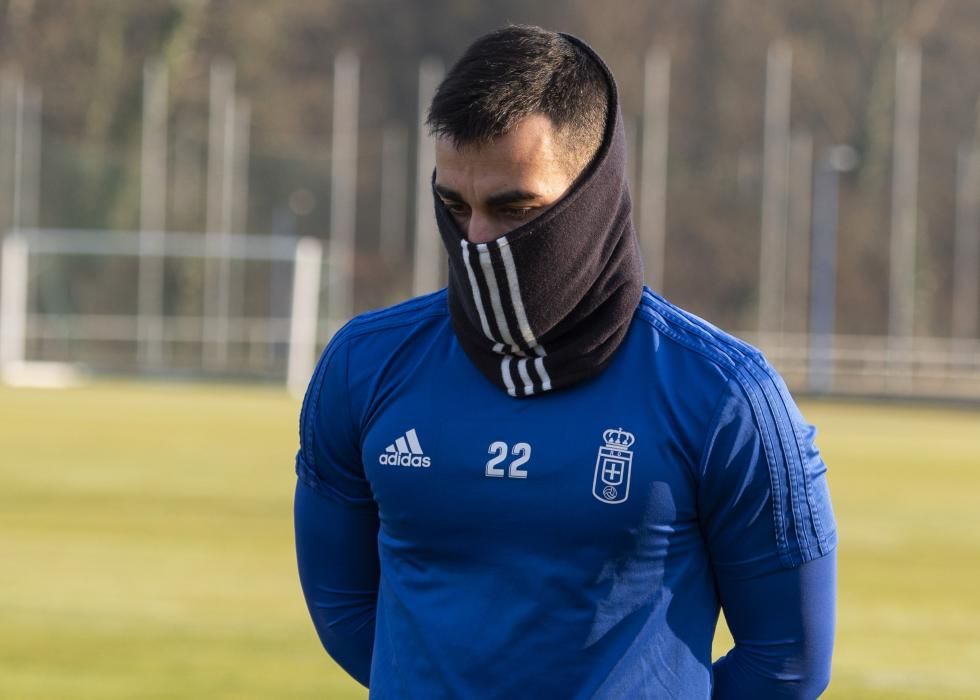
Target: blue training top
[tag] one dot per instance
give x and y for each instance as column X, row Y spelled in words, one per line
column 455, row 542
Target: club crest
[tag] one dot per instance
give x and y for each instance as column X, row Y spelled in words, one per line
column 611, row 482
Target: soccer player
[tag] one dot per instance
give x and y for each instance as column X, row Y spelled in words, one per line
column 545, row 481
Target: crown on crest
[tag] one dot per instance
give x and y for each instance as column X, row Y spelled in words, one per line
column 617, row 437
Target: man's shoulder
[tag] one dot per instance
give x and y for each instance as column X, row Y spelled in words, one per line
column 372, row 340
column 693, row 336
column 397, row 320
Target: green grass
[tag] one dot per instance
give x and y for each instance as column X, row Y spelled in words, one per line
column 146, row 548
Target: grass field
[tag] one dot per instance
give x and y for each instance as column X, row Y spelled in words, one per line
column 146, row 548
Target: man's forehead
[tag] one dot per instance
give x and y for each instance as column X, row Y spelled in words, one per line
column 531, row 137
column 486, row 157
column 481, row 174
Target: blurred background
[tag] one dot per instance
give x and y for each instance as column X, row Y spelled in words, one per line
column 195, row 194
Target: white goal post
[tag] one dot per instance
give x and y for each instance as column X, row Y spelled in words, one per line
column 13, row 300
column 298, row 330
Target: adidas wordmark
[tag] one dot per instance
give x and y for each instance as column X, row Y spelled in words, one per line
column 405, row 452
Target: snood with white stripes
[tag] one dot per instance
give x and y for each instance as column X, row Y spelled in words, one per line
column 547, row 304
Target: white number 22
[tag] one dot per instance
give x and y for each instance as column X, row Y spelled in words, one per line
column 499, row 450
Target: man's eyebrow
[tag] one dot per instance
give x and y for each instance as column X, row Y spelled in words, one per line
column 447, row 193
column 494, row 200
column 511, row 196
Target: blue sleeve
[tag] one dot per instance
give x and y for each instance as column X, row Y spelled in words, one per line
column 769, row 527
column 338, row 569
column 336, row 520
column 783, row 627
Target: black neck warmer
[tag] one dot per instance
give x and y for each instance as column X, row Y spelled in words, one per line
column 546, row 305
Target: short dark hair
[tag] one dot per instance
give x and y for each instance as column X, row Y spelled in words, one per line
column 517, row 71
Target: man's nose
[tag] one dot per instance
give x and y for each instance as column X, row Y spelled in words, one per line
column 482, row 229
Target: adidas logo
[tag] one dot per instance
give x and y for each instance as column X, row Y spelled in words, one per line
column 405, row 452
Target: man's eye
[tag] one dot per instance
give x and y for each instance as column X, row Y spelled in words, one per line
column 457, row 209
column 517, row 212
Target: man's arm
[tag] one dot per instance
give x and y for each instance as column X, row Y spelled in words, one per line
column 768, row 523
column 337, row 552
column 336, row 517
column 783, row 627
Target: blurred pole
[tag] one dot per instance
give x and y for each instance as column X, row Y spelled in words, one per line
column 221, row 114
column 239, row 165
column 280, row 274
column 187, row 190
column 224, row 236
column 153, row 154
column 153, row 208
column 823, row 276
column 280, row 288
column 222, row 94
column 653, row 169
column 27, row 158
column 8, row 121
column 775, row 190
column 905, row 173
column 798, row 238
column 966, row 251
column 15, row 207
column 394, row 192
column 343, row 190
column 13, row 300
column 229, row 132
column 304, row 315
column 187, row 182
column 428, row 261
column 238, row 217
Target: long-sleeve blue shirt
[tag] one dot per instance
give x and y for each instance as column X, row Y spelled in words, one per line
column 455, row 542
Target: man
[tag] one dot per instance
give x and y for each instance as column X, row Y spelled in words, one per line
column 545, row 480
